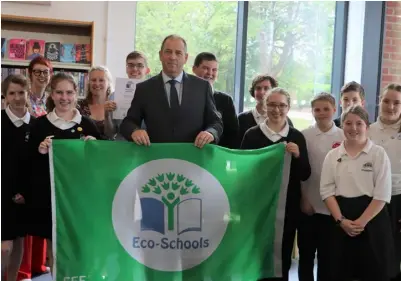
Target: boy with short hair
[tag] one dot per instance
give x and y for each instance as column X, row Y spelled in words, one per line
column 316, row 220
column 352, row 93
column 137, row 65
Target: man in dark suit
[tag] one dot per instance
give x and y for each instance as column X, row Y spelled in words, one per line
column 206, row 66
column 176, row 106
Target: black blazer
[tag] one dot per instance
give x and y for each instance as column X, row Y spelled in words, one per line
column 246, row 121
column 225, row 105
column 150, row 104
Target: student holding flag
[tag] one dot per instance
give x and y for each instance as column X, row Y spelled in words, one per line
column 355, row 186
column 62, row 122
column 386, row 132
column 275, row 129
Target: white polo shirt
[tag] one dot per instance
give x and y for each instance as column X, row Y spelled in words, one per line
column 368, row 173
column 389, row 138
column 272, row 135
column 259, row 118
column 64, row 124
column 319, row 144
column 18, row 122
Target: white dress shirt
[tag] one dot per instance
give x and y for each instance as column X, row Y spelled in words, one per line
column 389, row 137
column 368, row 173
column 319, row 144
column 64, row 124
column 178, row 85
column 18, row 122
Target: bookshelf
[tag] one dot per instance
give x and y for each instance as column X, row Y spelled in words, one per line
column 49, row 30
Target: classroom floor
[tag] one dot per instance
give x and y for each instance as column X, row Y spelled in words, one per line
column 293, row 274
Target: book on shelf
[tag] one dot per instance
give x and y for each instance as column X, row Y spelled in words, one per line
column 3, row 47
column 82, row 53
column 81, row 78
column 52, row 51
column 67, row 53
column 35, row 48
column 17, row 49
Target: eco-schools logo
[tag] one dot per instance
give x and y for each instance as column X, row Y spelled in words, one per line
column 169, row 214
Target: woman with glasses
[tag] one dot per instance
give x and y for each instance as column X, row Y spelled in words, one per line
column 97, row 105
column 40, row 70
column 276, row 129
column 261, row 84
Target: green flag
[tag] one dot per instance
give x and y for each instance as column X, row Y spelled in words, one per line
column 166, row 212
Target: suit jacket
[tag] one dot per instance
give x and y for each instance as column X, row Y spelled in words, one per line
column 197, row 111
column 225, row 105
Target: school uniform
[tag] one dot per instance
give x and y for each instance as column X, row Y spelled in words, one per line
column 312, row 232
column 15, row 160
column 262, row 136
column 249, row 119
column 355, row 182
column 51, row 125
column 389, row 137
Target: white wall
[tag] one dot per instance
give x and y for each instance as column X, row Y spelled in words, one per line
column 114, row 25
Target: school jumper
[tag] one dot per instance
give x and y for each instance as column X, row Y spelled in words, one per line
column 261, row 136
column 51, row 125
column 249, row 119
column 14, row 170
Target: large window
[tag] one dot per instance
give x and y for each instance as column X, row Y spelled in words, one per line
column 293, row 42
column 206, row 26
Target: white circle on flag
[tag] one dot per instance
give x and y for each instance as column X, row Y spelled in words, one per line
column 169, row 214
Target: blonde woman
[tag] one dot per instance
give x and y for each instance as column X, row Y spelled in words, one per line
column 97, row 105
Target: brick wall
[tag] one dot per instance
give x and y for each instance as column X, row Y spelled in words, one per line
column 391, row 64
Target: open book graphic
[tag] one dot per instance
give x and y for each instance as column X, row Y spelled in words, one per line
column 188, row 217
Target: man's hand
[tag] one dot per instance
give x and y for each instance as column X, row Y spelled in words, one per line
column 140, row 137
column 203, row 138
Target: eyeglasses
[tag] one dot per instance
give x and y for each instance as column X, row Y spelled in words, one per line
column 280, row 106
column 266, row 88
column 38, row 72
column 137, row 65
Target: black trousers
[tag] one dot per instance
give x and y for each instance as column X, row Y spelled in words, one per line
column 395, row 215
column 313, row 235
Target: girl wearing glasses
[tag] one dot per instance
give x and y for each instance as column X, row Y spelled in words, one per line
column 386, row 132
column 62, row 122
column 261, row 84
column 276, row 129
column 39, row 70
column 97, row 105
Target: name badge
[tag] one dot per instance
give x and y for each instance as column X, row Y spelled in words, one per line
column 367, row 167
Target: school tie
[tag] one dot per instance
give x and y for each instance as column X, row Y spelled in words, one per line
column 174, row 103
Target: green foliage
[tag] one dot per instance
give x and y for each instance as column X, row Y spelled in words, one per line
column 292, row 41
column 170, row 186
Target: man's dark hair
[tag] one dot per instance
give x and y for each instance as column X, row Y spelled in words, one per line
column 174, row 36
column 204, row 56
column 353, row 87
